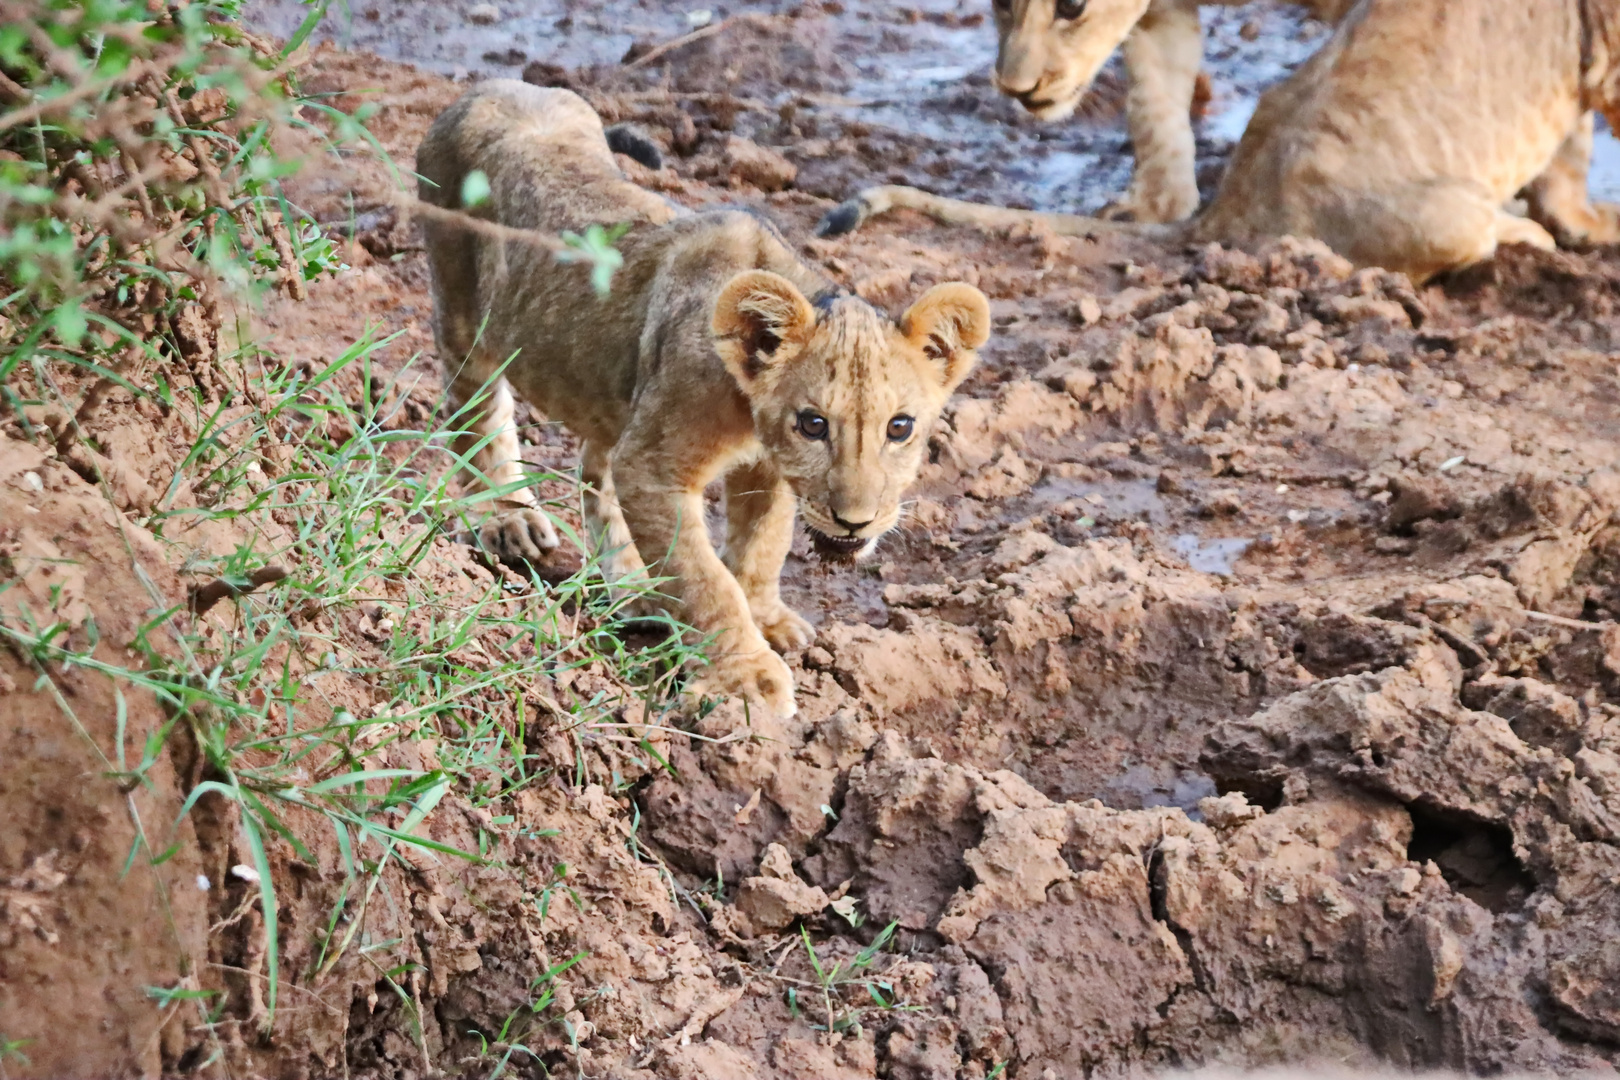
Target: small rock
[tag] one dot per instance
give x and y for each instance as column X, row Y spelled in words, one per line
column 1419, row 498
column 1405, row 881
column 1086, row 311
column 747, row 162
column 1222, row 504
column 1250, row 31
column 1228, row 811
column 540, row 73
column 483, row 14
column 772, row 900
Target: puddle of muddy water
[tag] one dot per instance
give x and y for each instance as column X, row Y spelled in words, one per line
column 1110, row 499
column 1603, row 179
column 1215, row 555
column 1144, row 787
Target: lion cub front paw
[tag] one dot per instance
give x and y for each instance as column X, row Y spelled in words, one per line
column 760, row 677
column 784, row 628
column 518, row 533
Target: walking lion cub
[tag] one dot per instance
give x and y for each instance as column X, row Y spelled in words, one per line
column 718, row 353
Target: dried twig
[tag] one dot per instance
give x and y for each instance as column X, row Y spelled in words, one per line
column 686, row 39
column 203, row 597
column 1567, row 624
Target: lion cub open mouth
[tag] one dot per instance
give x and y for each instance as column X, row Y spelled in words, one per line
column 839, row 549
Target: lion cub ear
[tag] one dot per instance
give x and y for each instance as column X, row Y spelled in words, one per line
column 760, row 319
column 947, row 323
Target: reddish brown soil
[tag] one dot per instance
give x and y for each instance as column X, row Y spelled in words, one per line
column 1244, row 689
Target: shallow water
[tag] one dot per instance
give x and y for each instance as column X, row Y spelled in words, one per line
column 1215, row 555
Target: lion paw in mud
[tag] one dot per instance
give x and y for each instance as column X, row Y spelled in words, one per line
column 785, row 629
column 759, row 677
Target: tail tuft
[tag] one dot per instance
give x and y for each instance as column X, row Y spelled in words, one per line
column 635, row 144
column 846, row 217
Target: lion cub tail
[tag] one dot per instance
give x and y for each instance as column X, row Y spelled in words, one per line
column 848, row 216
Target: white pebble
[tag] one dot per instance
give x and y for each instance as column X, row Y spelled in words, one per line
column 245, row 872
column 32, row 482
column 483, row 14
column 203, row 884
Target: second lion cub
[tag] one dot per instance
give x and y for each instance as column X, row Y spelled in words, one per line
column 717, row 353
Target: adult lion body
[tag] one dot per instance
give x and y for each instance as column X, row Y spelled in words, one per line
column 1400, row 141
column 706, row 360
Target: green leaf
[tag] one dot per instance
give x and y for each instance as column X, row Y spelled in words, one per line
column 305, row 28
column 359, row 776
column 474, row 189
column 71, row 323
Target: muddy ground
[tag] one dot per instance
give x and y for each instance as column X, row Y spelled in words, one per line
column 1244, row 687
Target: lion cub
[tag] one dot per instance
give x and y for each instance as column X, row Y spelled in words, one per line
column 718, row 353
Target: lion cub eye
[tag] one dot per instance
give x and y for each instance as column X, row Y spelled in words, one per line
column 1069, row 10
column 900, row 428
column 811, row 424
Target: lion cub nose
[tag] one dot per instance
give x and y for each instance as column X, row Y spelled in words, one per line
column 852, row 527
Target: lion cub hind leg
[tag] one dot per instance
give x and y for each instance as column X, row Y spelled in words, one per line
column 1558, row 197
column 759, row 533
column 516, row 529
column 1423, row 228
column 610, row 536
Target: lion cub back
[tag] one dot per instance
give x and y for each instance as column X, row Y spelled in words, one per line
column 546, row 157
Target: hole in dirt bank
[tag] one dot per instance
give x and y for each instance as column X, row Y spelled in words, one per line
column 1476, row 858
column 1266, row 792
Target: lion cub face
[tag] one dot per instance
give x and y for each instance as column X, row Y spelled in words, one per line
column 842, row 398
column 1050, row 50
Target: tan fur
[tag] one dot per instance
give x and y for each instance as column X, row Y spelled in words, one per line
column 1401, row 140
column 696, row 367
column 1048, row 62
